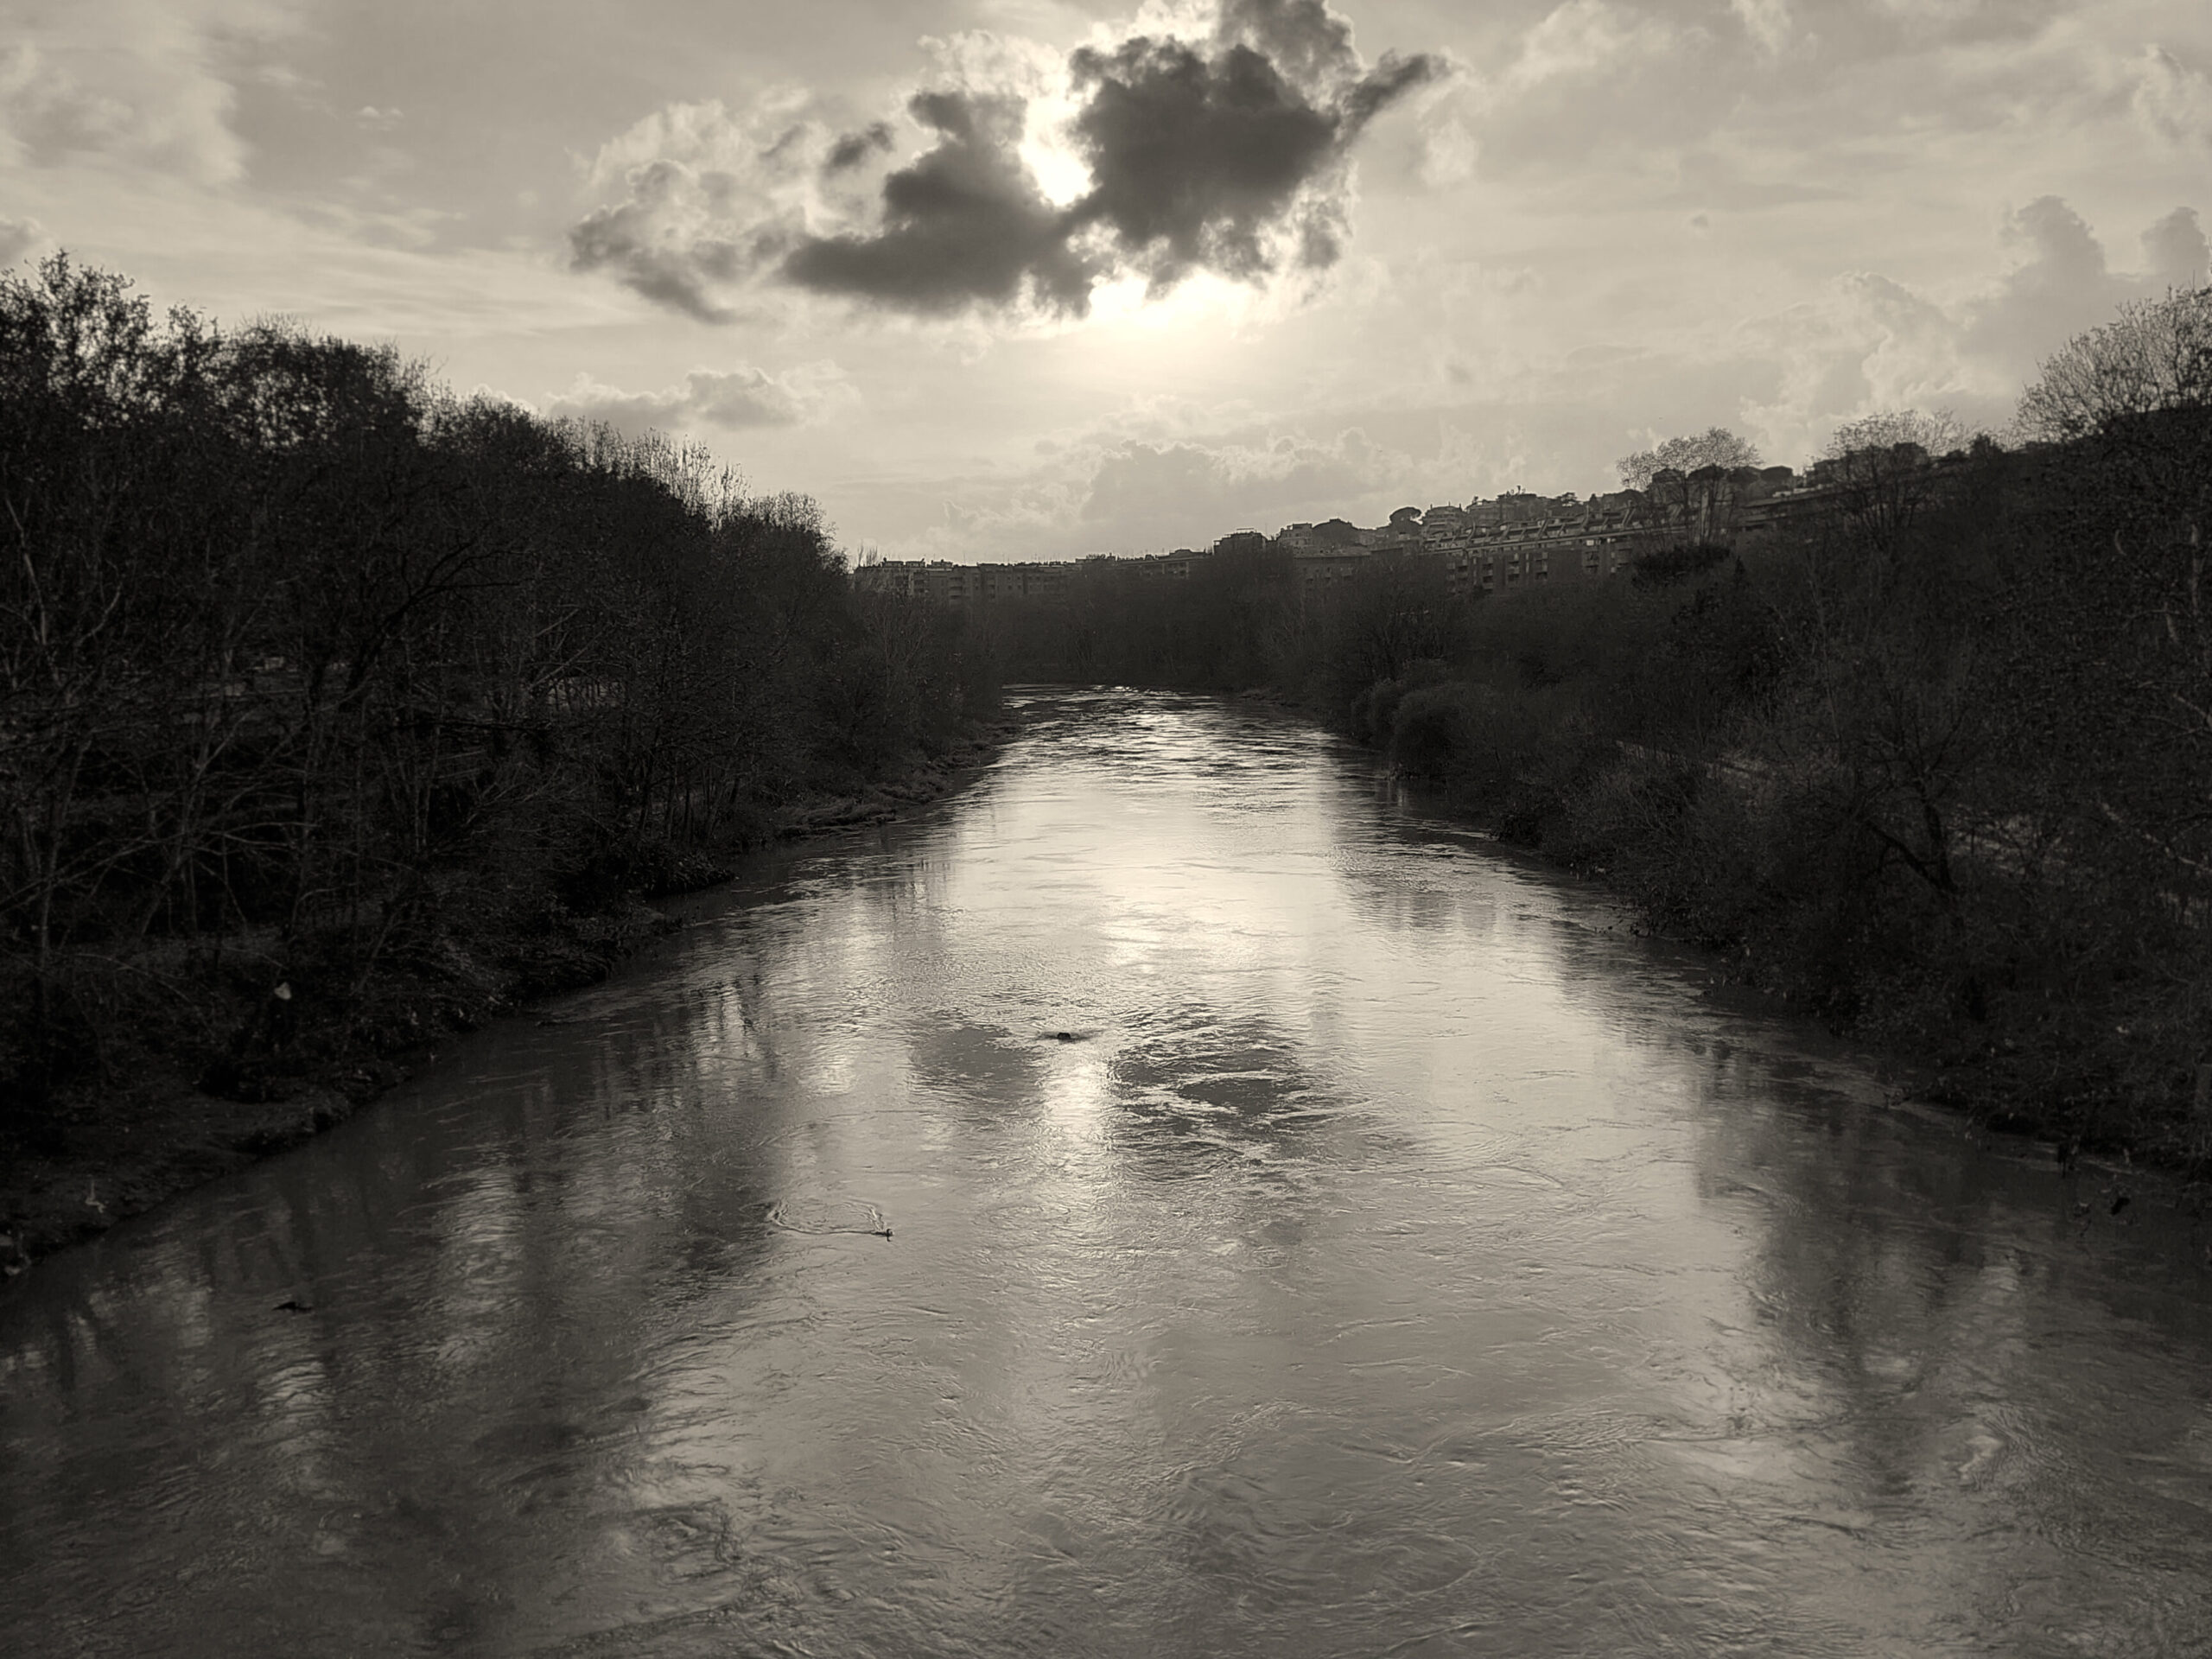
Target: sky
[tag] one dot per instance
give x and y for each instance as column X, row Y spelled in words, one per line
column 1009, row 279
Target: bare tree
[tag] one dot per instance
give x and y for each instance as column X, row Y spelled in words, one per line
column 1715, row 446
column 2155, row 356
column 308, row 669
column 1877, row 466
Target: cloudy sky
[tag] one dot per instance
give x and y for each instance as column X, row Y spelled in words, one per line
column 1033, row 278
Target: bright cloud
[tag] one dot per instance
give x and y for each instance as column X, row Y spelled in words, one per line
column 1167, row 472
column 1168, row 157
column 19, row 237
column 2172, row 100
column 731, row 400
column 1767, row 22
column 141, row 82
column 1148, row 277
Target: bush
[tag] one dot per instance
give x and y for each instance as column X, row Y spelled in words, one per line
column 306, row 651
column 1474, row 742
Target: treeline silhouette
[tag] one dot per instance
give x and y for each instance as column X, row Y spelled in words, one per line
column 1936, row 761
column 1238, row 622
column 332, row 705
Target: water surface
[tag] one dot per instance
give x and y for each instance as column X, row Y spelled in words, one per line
column 1310, row 1232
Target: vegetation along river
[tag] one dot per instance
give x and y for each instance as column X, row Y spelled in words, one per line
column 1309, row 1233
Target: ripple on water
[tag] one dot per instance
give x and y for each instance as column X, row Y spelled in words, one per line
column 1385, row 1261
column 815, row 1215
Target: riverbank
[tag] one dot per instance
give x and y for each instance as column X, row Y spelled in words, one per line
column 1989, row 1058
column 1980, row 1061
column 1431, row 1253
column 121, row 1149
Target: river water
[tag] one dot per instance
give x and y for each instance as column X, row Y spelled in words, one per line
column 1395, row 1256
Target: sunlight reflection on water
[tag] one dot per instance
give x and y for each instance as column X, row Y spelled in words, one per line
column 1393, row 1256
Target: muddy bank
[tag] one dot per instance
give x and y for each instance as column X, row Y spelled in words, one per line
column 120, row 1149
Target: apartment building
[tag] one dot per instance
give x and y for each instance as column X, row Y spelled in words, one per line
column 1510, row 544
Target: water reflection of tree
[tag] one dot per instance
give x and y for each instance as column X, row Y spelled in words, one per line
column 481, row 1272
column 1921, row 1342
column 1938, row 1343
column 1413, row 874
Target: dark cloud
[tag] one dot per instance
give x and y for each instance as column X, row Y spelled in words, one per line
column 1305, row 40
column 1192, row 159
column 1394, row 77
column 965, row 224
column 636, row 241
column 1228, row 154
column 854, row 148
column 1197, row 159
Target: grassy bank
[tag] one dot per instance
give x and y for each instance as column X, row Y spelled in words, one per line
column 338, row 713
column 1940, row 786
column 146, row 1134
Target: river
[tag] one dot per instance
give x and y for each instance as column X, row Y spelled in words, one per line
column 1310, row 1232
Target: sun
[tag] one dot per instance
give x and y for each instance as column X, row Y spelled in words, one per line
column 1048, row 149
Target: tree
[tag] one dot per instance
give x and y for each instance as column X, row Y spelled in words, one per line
column 2021, row 688
column 2122, row 619
column 1715, row 447
column 2155, row 356
column 1887, row 429
column 308, row 669
column 2139, row 390
column 1878, row 468
column 1397, row 611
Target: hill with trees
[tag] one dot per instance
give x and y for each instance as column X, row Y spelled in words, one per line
column 337, row 711
column 1935, row 760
